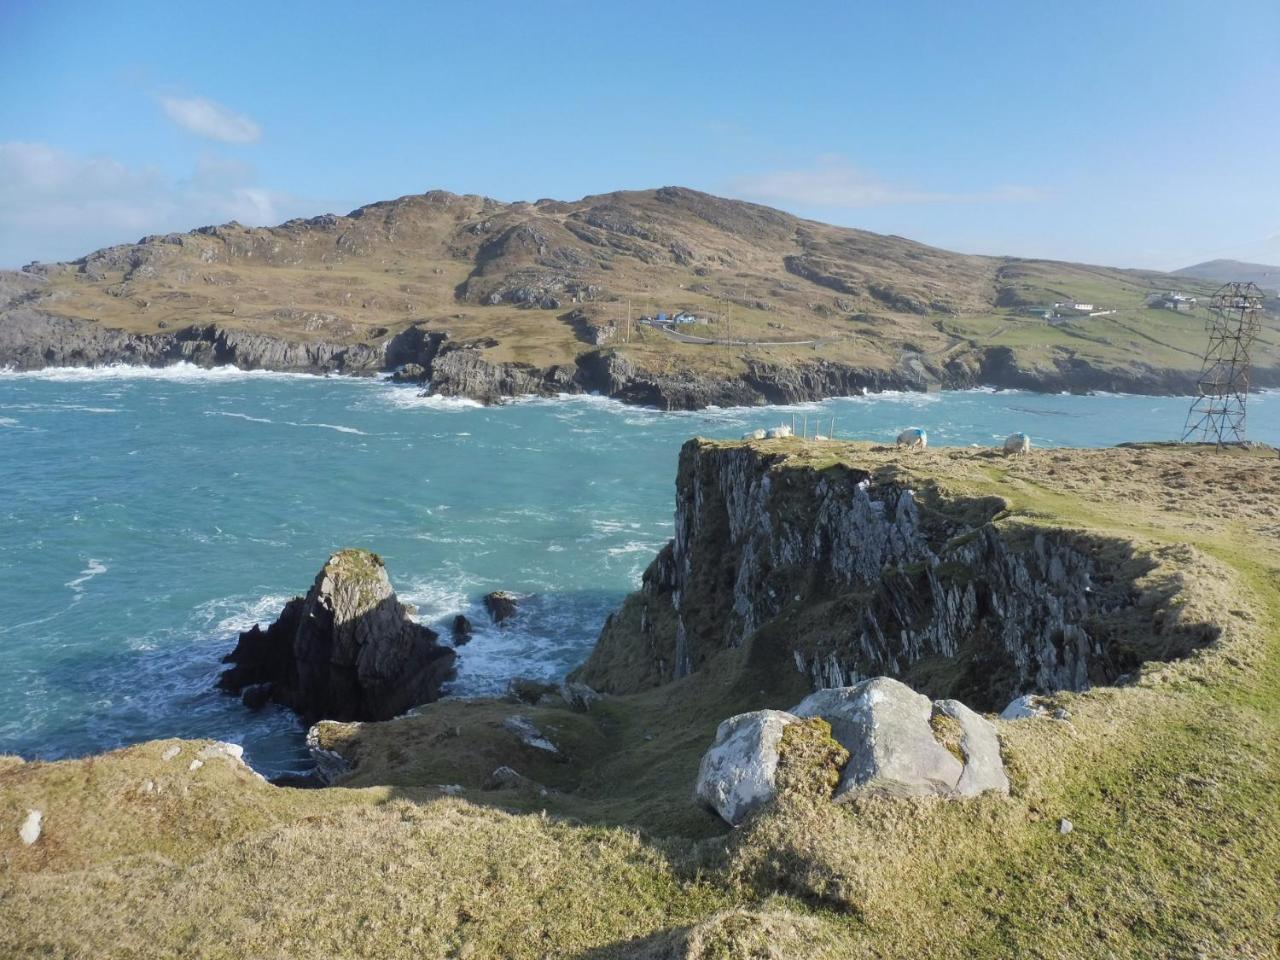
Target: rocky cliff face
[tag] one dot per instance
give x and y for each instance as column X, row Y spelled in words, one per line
column 348, row 650
column 860, row 576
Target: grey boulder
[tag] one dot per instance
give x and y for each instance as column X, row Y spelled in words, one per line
column 737, row 775
column 902, row 745
column 1027, row 705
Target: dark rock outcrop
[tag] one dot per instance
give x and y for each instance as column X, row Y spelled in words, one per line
column 348, row 650
column 502, row 605
column 461, row 630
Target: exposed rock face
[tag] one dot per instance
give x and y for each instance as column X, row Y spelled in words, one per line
column 901, row 745
column 737, row 775
column 31, row 340
column 348, row 650
column 330, row 764
column 866, row 583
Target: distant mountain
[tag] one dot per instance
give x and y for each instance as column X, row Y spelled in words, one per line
column 1235, row 271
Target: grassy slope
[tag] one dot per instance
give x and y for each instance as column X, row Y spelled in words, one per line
column 1173, row 784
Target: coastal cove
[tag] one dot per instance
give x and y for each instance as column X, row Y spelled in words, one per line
column 151, row 514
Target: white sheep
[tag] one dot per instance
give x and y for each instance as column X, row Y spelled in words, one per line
column 1017, row 444
column 754, row 435
column 914, row 438
column 782, row 430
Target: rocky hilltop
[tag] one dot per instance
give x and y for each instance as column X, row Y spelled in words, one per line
column 477, row 298
column 894, row 816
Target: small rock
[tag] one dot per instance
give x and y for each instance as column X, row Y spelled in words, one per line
column 170, row 753
column 1061, row 714
column 31, row 827
column 255, row 697
column 461, row 630
column 452, row 789
column 578, row 696
column 529, row 734
column 148, row 786
column 219, row 748
column 528, row 690
column 195, row 765
column 1065, row 826
column 502, row 605
column 1027, row 705
column 505, row 778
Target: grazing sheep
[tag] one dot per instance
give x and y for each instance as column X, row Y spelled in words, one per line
column 754, row 435
column 913, row 439
column 1017, row 444
column 782, row 430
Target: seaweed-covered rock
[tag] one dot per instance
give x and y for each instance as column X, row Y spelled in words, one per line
column 348, row 650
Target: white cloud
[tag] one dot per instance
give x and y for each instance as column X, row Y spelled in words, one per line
column 56, row 205
column 211, row 120
column 833, row 182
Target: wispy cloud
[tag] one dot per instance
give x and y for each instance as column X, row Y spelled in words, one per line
column 56, row 205
column 833, row 182
column 206, row 118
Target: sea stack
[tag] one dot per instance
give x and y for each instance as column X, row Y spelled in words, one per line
column 348, row 650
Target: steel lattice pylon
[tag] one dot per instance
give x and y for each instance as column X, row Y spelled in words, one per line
column 1217, row 413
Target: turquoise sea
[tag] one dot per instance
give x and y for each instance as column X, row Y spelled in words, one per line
column 147, row 516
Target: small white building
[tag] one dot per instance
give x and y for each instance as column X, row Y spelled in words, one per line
column 684, row 317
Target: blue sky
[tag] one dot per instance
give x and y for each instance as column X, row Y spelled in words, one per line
column 1126, row 133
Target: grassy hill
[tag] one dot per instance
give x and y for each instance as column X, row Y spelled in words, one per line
column 543, row 283
column 1172, row 782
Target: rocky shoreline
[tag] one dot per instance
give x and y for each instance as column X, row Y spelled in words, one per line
column 32, row 340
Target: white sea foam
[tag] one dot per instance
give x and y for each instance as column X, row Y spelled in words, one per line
column 229, row 615
column 177, row 372
column 331, row 426
column 635, row 546
column 238, row 416
column 409, row 398
column 286, row 423
column 8, row 422
column 91, row 570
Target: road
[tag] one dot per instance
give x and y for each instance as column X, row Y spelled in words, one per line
column 689, row 338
